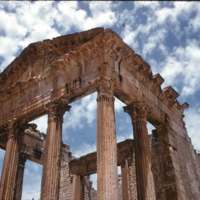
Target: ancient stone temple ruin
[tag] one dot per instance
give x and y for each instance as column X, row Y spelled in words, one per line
column 47, row 76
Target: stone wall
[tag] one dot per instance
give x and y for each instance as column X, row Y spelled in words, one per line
column 65, row 177
column 175, row 166
column 158, row 166
column 186, row 167
column 132, row 182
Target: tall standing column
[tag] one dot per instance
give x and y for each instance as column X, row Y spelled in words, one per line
column 107, row 182
column 125, row 181
column 78, row 188
column 144, row 178
column 20, row 176
column 9, row 172
column 51, row 172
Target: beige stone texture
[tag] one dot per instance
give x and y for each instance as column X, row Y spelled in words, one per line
column 66, row 68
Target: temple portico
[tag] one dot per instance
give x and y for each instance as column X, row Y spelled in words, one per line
column 48, row 76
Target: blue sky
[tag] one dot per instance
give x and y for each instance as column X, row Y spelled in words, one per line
column 166, row 34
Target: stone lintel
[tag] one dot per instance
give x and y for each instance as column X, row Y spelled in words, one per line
column 86, row 165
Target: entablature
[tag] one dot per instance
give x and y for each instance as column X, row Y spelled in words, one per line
column 78, row 72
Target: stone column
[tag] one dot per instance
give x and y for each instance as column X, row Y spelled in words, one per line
column 78, row 188
column 20, row 176
column 107, row 180
column 52, row 159
column 11, row 159
column 144, row 177
column 125, row 181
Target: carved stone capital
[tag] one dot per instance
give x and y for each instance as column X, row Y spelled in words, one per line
column 105, row 98
column 105, row 91
column 105, row 86
column 14, row 127
column 137, row 110
column 57, row 109
column 10, row 129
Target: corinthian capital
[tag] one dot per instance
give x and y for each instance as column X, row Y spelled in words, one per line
column 14, row 127
column 57, row 109
column 105, row 91
column 137, row 110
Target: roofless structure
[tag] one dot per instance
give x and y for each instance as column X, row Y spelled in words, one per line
column 47, row 76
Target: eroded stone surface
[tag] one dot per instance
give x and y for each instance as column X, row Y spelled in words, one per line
column 69, row 67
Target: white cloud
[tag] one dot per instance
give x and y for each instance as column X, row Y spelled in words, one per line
column 150, row 4
column 26, row 22
column 118, row 105
column 2, row 153
column 146, row 36
column 32, row 181
column 184, row 62
column 82, row 113
column 171, row 13
column 69, row 15
column 155, row 40
column 192, row 117
column 41, row 123
column 101, row 15
column 150, row 128
column 195, row 22
column 10, row 26
column 122, row 138
column 171, row 69
column 93, row 178
column 7, row 50
column 29, row 195
column 84, row 149
column 130, row 36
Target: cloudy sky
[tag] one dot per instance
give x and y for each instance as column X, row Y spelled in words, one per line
column 166, row 34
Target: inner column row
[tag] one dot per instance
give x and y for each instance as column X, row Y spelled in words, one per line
column 107, row 181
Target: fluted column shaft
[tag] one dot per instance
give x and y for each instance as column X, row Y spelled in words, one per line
column 9, row 172
column 78, row 188
column 144, row 177
column 51, row 173
column 125, row 181
column 20, row 176
column 107, row 182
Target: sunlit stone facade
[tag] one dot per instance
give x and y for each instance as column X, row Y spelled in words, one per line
column 48, row 76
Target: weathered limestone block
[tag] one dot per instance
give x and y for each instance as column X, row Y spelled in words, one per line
column 66, row 179
column 129, row 187
column 162, row 165
column 186, row 170
column 132, row 180
column 68, row 183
